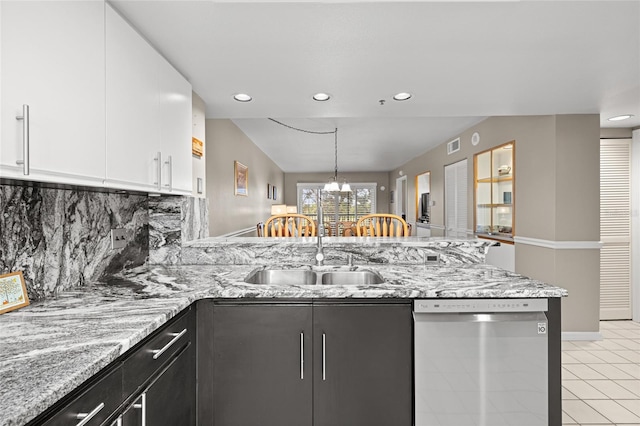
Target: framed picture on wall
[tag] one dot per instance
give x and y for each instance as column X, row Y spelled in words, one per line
column 275, row 193
column 13, row 292
column 241, row 181
column 268, row 191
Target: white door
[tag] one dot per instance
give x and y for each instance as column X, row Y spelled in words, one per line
column 615, row 229
column 455, row 182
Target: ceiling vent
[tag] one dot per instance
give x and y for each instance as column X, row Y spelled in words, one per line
column 453, row 146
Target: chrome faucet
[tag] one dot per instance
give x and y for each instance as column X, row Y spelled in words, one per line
column 320, row 232
column 319, row 249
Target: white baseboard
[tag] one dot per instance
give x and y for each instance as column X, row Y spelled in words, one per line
column 559, row 245
column 240, row 232
column 581, row 335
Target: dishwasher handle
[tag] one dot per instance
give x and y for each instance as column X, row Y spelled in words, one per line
column 480, row 317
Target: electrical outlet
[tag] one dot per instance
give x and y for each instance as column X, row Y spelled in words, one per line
column 431, row 259
column 118, row 238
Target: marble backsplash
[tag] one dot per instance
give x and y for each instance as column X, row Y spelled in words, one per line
column 60, row 238
column 337, row 251
column 174, row 221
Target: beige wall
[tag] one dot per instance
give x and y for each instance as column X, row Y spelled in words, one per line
column 556, row 197
column 291, row 181
column 228, row 212
column 616, row 133
column 577, row 178
column 199, row 164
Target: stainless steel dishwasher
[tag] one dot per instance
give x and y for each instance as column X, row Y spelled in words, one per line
column 481, row 362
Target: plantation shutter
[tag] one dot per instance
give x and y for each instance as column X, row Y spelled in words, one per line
column 615, row 229
column 455, row 181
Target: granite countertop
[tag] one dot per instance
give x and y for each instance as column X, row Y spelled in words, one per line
column 51, row 347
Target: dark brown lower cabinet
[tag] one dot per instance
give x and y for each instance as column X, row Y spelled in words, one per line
column 362, row 365
column 325, row 363
column 262, row 365
column 167, row 395
column 170, row 400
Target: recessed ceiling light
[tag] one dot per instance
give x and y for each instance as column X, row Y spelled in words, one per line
column 321, row 97
column 620, row 117
column 242, row 97
column 402, row 96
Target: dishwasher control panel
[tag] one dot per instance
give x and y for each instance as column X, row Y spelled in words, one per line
column 479, row 305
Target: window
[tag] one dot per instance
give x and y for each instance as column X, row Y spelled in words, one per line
column 337, row 207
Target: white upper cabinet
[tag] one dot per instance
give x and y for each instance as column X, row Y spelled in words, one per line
column 132, row 107
column 52, row 59
column 175, row 129
column 148, row 110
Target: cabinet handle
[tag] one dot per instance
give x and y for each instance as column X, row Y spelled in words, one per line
column 86, row 417
column 169, row 162
column 302, row 356
column 157, row 353
column 142, row 406
column 324, row 356
column 158, row 160
column 25, row 139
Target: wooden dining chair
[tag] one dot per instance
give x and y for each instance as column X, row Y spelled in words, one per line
column 328, row 230
column 382, row 225
column 289, row 225
column 348, row 228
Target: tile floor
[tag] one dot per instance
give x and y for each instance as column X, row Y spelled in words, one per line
column 601, row 379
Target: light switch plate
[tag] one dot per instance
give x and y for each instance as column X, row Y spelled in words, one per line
column 118, row 238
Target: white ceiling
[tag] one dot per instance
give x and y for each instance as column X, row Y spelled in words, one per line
column 462, row 61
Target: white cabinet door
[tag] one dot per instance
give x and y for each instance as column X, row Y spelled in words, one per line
column 132, row 114
column 53, row 61
column 148, row 115
column 175, row 129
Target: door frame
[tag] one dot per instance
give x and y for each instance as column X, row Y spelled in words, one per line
column 401, row 196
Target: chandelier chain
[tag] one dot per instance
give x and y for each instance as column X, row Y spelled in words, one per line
column 303, row 130
column 336, row 153
column 345, row 186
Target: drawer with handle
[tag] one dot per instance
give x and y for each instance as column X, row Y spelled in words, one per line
column 93, row 406
column 155, row 352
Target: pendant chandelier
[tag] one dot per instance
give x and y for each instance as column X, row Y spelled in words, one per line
column 332, row 185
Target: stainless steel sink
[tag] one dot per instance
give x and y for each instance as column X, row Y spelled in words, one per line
column 363, row 277
column 309, row 277
column 282, row 277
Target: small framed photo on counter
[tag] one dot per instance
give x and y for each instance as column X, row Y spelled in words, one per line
column 13, row 292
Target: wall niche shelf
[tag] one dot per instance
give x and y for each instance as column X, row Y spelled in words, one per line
column 494, row 196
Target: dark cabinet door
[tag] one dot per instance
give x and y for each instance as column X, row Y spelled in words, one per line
column 362, row 365
column 262, row 365
column 171, row 399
